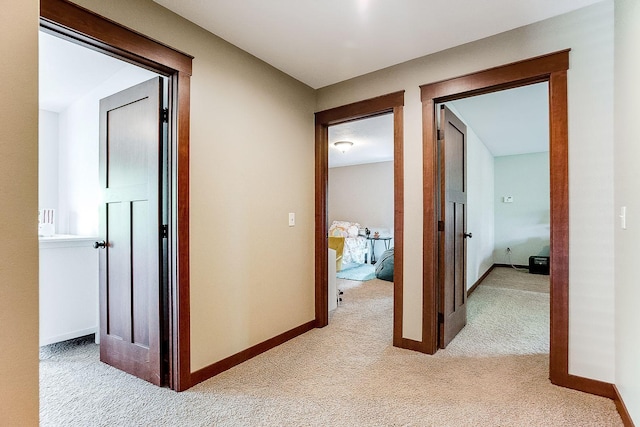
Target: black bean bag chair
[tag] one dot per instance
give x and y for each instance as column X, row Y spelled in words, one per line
column 384, row 269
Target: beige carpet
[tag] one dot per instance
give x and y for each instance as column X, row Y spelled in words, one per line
column 507, row 314
column 346, row 374
column 510, row 278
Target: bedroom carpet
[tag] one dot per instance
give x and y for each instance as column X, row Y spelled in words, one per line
column 358, row 272
column 505, row 277
column 347, row 374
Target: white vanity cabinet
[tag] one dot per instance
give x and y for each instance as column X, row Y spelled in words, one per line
column 68, row 288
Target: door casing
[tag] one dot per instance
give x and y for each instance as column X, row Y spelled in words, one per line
column 551, row 68
column 81, row 26
column 391, row 103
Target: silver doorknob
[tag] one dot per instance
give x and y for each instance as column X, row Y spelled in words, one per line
column 101, row 244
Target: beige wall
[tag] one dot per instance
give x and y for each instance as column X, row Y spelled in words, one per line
column 252, row 276
column 627, row 177
column 18, row 228
column 252, row 162
column 589, row 33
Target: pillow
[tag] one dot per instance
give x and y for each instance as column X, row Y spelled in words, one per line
column 344, row 229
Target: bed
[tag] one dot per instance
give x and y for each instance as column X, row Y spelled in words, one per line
column 355, row 246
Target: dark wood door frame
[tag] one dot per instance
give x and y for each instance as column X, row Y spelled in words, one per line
column 551, row 68
column 391, row 103
column 84, row 27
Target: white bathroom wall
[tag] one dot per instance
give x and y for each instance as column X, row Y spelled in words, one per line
column 523, row 225
column 48, row 150
column 78, row 156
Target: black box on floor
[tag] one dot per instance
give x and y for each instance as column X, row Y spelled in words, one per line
column 539, row 265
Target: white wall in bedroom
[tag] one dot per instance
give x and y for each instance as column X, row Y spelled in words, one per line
column 480, row 208
column 522, row 225
column 363, row 194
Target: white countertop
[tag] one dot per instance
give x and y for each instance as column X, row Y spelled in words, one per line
column 57, row 237
column 66, row 240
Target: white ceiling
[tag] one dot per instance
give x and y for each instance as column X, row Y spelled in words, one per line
column 372, row 141
column 510, row 122
column 308, row 39
column 68, row 71
column 321, row 42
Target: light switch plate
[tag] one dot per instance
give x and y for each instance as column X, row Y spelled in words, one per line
column 292, row 219
column 507, row 199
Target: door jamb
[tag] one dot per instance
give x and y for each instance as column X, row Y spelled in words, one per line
column 393, row 102
column 553, row 69
column 91, row 30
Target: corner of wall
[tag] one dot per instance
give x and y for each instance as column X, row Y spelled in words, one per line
column 18, row 190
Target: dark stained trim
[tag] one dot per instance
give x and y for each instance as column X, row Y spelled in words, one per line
column 181, row 271
column 552, row 68
column 398, row 217
column 391, row 103
column 589, row 385
column 361, row 109
column 238, row 358
column 84, row 27
column 321, row 228
column 559, row 233
column 106, row 35
column 622, row 408
column 521, row 73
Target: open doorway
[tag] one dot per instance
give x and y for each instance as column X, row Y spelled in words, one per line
column 74, row 84
column 360, row 204
column 507, row 222
column 87, row 29
column 553, row 69
column 392, row 103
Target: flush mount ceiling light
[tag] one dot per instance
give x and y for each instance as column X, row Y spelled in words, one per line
column 343, row 146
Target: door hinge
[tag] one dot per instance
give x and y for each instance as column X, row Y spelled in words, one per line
column 440, row 225
column 440, row 318
column 164, row 231
column 439, row 135
column 165, row 115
